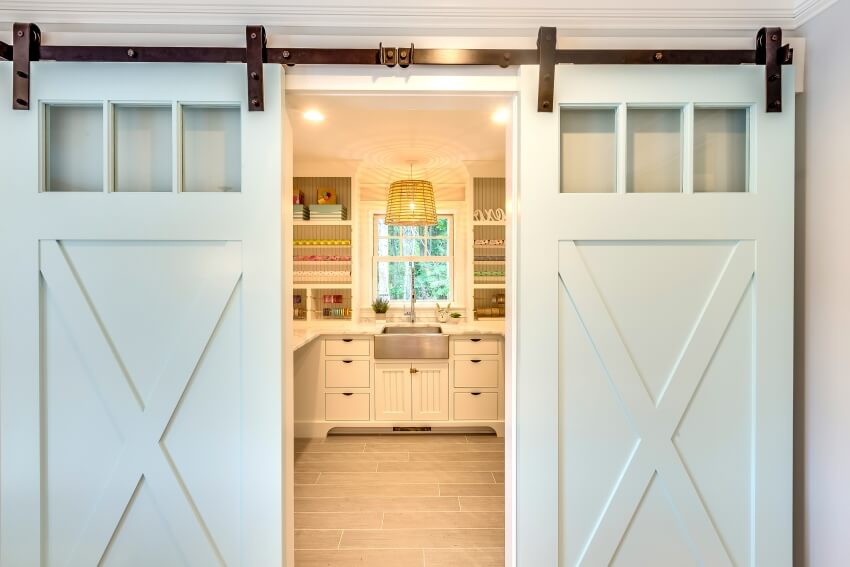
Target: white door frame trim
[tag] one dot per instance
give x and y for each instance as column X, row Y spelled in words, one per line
column 348, row 80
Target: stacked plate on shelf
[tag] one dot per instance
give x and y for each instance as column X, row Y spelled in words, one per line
column 328, row 212
column 300, row 212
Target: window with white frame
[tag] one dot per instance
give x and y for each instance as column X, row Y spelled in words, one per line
column 427, row 250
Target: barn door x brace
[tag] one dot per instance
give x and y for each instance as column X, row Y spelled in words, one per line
column 26, row 48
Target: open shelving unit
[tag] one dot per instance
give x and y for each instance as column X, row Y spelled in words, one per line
column 488, row 250
column 323, row 255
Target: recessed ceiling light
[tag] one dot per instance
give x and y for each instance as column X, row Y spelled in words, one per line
column 501, row 116
column 314, row 116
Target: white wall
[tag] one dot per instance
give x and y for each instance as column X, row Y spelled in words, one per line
column 822, row 498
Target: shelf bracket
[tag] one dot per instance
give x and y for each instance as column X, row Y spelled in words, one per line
column 27, row 43
column 772, row 54
column 255, row 56
column 546, row 39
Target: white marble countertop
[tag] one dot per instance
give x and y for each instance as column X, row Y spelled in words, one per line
column 303, row 335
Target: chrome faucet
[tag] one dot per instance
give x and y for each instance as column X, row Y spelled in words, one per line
column 412, row 294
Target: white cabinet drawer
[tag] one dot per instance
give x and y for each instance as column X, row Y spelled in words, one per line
column 347, row 347
column 476, row 345
column 347, row 373
column 347, row 407
column 476, row 373
column 477, row 406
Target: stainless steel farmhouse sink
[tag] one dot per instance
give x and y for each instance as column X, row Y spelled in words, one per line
column 411, row 342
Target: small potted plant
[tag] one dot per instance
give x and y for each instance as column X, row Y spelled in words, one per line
column 380, row 306
column 455, row 317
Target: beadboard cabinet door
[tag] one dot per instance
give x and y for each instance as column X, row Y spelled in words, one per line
column 430, row 392
column 392, row 391
column 140, row 366
column 655, row 315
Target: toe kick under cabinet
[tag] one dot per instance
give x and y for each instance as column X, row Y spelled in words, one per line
column 338, row 384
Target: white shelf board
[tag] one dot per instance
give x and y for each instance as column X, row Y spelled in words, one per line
column 322, row 222
column 326, row 285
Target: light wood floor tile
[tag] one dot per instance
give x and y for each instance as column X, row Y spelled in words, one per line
column 360, row 558
column 409, row 520
column 306, row 477
column 461, row 489
column 339, row 520
column 482, row 503
column 354, row 457
column 340, row 490
column 370, row 504
column 422, row 539
column 317, row 539
column 366, row 478
column 336, row 466
column 464, row 558
column 400, row 501
column 464, row 456
column 319, row 447
column 414, row 466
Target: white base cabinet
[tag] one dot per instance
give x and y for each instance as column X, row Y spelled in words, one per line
column 338, row 383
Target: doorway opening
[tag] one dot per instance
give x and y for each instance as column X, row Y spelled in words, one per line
column 399, row 386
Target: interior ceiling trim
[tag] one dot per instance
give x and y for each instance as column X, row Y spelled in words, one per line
column 214, row 18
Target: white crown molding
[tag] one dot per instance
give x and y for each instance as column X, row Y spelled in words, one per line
column 226, row 17
column 808, row 9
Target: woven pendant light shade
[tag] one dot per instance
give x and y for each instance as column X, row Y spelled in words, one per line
column 411, row 203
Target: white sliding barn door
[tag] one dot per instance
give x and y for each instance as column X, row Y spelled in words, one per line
column 654, row 386
column 141, row 327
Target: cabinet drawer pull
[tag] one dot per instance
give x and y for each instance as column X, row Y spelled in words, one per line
column 475, row 340
column 475, row 361
column 347, row 361
column 347, row 340
column 475, row 393
column 348, row 393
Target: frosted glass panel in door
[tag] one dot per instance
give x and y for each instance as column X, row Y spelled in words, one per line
column 143, row 154
column 654, row 143
column 720, row 150
column 588, row 150
column 74, row 147
column 212, row 149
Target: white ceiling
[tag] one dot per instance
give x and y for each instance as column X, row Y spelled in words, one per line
column 371, row 17
column 382, row 136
